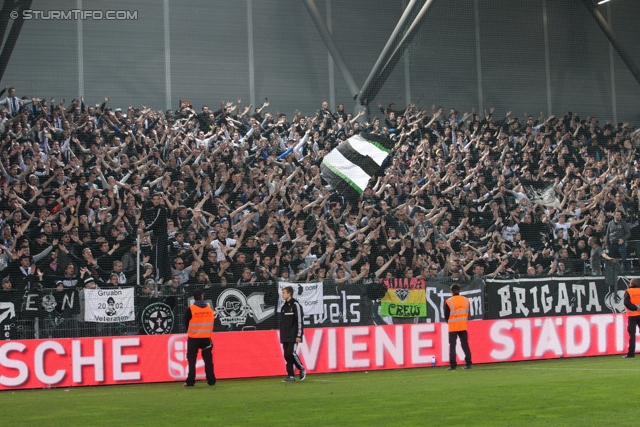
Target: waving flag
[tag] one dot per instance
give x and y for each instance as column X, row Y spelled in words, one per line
column 349, row 167
column 541, row 192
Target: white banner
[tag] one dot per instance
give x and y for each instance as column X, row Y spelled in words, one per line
column 109, row 305
column 309, row 295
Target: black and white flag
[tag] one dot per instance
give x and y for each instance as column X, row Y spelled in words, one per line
column 51, row 303
column 10, row 303
column 541, row 193
column 109, row 305
column 349, row 167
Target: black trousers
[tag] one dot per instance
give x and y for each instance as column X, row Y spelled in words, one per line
column 633, row 323
column 205, row 345
column 291, row 357
column 464, row 341
column 161, row 256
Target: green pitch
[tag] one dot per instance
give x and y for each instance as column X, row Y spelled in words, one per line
column 593, row 391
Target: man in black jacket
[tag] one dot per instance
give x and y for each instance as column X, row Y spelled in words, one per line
column 291, row 333
column 157, row 222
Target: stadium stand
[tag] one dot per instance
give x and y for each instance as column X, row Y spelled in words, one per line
column 461, row 196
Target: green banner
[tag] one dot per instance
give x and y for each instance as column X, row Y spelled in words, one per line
column 404, row 298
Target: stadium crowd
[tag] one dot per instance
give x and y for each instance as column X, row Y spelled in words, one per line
column 233, row 194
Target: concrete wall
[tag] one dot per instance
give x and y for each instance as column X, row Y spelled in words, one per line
column 207, row 58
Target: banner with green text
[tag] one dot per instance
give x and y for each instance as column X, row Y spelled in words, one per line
column 404, row 298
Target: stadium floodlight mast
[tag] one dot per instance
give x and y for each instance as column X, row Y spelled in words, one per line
column 364, row 96
column 604, row 26
column 338, row 59
column 389, row 57
column 403, row 32
column 385, row 65
column 12, row 35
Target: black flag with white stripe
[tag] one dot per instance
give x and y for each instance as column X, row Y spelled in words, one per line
column 349, row 167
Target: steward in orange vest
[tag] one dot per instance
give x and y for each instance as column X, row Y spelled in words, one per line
column 456, row 313
column 199, row 320
column 632, row 306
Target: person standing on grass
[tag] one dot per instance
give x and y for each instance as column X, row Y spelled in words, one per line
column 291, row 333
column 632, row 304
column 199, row 320
column 456, row 312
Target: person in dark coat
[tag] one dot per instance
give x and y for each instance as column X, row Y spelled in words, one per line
column 291, row 333
column 157, row 217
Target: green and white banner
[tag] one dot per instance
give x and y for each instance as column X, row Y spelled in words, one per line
column 349, row 167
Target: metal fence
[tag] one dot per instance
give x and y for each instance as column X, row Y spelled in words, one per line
column 22, row 318
column 254, row 307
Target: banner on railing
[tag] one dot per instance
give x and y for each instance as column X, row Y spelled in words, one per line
column 309, row 295
column 342, row 305
column 437, row 292
column 10, row 306
column 161, row 358
column 109, row 305
column 553, row 296
column 51, row 303
column 243, row 307
column 351, row 305
column 157, row 318
column 404, row 298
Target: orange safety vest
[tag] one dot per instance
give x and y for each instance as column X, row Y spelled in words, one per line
column 634, row 294
column 201, row 323
column 459, row 307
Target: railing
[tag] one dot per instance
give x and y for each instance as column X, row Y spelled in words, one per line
column 53, row 314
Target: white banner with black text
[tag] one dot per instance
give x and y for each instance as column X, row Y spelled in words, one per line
column 309, row 295
column 109, row 305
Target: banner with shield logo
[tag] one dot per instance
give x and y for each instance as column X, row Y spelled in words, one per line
column 404, row 298
column 247, row 307
column 157, row 318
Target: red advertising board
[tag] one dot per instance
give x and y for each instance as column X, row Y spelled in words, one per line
column 161, row 358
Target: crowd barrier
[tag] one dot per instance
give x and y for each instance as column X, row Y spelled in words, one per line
column 93, row 361
column 81, row 313
column 112, row 336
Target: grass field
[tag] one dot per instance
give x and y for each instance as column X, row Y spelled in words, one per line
column 600, row 391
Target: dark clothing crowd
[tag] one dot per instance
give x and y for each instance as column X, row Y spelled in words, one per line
column 233, row 194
